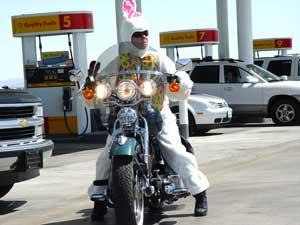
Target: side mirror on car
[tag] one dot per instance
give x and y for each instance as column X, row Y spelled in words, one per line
column 184, row 65
column 284, row 77
column 252, row 80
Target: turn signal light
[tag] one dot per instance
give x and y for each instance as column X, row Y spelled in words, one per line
column 174, row 86
column 88, row 94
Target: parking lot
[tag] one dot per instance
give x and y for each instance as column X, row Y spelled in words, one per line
column 253, row 171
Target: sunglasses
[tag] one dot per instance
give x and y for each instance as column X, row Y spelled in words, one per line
column 140, row 34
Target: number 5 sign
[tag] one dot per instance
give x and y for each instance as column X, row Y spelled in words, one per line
column 50, row 23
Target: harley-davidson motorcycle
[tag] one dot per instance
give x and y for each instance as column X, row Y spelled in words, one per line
column 139, row 176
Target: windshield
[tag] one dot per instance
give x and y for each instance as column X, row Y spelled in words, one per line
column 266, row 75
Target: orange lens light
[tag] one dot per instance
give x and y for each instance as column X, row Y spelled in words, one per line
column 174, row 87
column 88, row 94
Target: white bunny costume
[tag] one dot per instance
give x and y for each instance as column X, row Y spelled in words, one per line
column 173, row 151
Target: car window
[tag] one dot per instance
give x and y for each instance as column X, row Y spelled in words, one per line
column 262, row 73
column 232, row 74
column 205, row 74
column 258, row 62
column 298, row 67
column 280, row 67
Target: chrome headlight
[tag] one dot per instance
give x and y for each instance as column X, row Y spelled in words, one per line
column 126, row 90
column 39, row 111
column 148, row 87
column 103, row 91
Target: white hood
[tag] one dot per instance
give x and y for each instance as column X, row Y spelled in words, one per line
column 286, row 87
column 207, row 98
column 128, row 27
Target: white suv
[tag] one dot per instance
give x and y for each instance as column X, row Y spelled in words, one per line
column 248, row 89
column 288, row 65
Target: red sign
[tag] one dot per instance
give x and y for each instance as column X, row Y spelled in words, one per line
column 76, row 21
column 283, row 43
column 207, row 36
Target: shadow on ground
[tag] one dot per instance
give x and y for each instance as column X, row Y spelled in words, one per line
column 65, row 144
column 151, row 217
column 7, row 207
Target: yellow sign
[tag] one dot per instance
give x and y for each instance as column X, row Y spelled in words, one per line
column 35, row 24
column 263, row 44
column 177, row 38
column 186, row 38
column 51, row 55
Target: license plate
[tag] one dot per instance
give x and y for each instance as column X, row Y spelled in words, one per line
column 34, row 159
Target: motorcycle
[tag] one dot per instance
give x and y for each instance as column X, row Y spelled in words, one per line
column 139, row 175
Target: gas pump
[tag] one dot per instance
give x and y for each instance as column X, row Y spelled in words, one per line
column 48, row 77
column 187, row 38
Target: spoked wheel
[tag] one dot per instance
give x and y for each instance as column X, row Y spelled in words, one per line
column 127, row 194
column 285, row 112
column 138, row 201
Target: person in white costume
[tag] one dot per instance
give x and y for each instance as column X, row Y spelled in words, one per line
column 134, row 38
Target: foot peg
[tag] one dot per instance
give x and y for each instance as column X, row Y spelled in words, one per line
column 181, row 192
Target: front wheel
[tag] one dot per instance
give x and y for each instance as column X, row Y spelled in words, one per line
column 285, row 112
column 5, row 189
column 126, row 191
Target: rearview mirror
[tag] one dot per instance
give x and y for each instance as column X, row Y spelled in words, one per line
column 184, row 65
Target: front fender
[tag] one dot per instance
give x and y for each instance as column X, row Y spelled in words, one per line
column 127, row 149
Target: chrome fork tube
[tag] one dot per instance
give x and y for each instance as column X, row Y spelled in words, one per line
column 145, row 134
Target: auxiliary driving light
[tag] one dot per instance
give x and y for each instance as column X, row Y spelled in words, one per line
column 103, row 91
column 148, row 87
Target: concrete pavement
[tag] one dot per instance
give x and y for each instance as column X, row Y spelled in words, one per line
column 253, row 171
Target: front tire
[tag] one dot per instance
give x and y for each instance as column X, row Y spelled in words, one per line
column 127, row 196
column 5, row 189
column 285, row 112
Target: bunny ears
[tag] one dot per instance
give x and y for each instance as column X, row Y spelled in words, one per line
column 129, row 9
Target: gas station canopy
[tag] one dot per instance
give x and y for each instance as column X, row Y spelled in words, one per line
column 186, row 38
column 52, row 23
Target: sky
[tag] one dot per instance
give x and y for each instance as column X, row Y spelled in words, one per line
column 270, row 19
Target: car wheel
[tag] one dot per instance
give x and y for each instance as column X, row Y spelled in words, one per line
column 5, row 189
column 285, row 112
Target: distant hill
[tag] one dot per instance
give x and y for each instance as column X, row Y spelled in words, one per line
column 12, row 83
